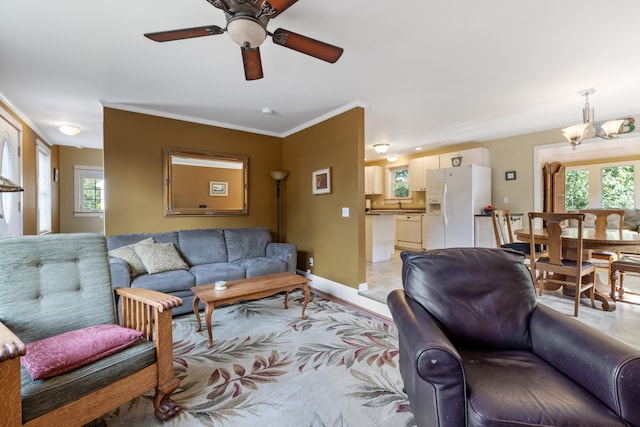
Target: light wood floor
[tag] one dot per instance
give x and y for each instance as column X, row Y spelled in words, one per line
column 623, row 323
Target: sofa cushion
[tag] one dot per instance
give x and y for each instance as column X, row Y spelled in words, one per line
column 42, row 396
column 65, row 352
column 167, row 281
column 206, row 274
column 243, row 243
column 128, row 254
column 261, row 266
column 160, row 257
column 436, row 281
column 203, row 246
column 67, row 274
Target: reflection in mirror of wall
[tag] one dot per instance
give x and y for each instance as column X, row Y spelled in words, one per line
column 204, row 183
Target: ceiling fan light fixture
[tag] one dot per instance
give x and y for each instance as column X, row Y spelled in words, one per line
column 245, row 29
column 381, row 148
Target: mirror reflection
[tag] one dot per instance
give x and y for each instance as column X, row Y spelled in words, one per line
column 205, row 183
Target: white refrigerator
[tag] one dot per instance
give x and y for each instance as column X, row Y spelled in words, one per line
column 454, row 197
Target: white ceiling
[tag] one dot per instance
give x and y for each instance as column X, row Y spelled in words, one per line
column 429, row 73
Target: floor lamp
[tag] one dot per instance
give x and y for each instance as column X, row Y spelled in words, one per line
column 278, row 176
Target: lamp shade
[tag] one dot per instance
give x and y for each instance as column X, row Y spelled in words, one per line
column 279, row 175
column 611, row 128
column 576, row 133
column 8, row 186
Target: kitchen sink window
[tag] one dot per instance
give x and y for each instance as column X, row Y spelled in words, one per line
column 397, row 183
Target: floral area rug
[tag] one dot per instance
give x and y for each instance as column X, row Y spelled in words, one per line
column 270, row 367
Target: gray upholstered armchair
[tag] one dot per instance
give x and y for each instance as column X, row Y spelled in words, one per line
column 54, row 287
column 477, row 350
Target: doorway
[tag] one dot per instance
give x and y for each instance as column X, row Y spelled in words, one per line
column 10, row 168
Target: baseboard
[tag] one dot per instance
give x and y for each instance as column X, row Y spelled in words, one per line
column 348, row 295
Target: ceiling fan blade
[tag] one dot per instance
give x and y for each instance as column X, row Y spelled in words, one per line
column 317, row 49
column 252, row 63
column 184, row 33
column 280, row 6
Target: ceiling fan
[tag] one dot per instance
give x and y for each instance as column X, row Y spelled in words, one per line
column 247, row 26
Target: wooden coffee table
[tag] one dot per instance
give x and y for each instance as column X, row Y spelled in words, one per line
column 246, row 290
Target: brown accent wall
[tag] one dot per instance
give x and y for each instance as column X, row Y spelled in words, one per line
column 133, row 164
column 315, row 222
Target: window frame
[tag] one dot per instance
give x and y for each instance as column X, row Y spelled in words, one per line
column 390, row 183
column 80, row 173
column 594, row 171
column 44, row 188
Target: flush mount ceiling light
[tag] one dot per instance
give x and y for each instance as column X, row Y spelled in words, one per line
column 392, row 158
column 381, row 148
column 576, row 133
column 69, row 130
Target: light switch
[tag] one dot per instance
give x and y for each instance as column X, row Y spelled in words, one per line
column 345, row 212
column 506, row 200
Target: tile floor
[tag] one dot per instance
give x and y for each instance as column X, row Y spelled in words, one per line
column 623, row 323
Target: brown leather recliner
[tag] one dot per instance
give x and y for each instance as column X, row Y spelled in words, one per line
column 477, row 350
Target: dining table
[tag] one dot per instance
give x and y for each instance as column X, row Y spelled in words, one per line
column 626, row 241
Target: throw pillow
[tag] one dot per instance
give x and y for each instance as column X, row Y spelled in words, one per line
column 160, row 257
column 66, row 352
column 128, row 254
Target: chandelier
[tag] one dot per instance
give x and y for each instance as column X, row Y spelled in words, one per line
column 576, row 133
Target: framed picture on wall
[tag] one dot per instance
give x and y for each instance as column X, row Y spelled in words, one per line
column 218, row 188
column 321, row 181
column 510, row 175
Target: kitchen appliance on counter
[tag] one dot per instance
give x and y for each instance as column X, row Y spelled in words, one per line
column 367, row 205
column 454, row 196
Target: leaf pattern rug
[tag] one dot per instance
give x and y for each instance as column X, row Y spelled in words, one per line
column 270, row 367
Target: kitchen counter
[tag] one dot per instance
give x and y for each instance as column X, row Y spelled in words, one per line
column 395, row 211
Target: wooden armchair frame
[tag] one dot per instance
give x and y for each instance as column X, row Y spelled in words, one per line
column 145, row 310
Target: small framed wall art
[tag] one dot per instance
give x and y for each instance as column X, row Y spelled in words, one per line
column 510, row 175
column 218, row 188
column 321, row 181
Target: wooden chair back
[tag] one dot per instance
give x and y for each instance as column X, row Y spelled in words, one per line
column 602, row 216
column 556, row 267
column 502, row 226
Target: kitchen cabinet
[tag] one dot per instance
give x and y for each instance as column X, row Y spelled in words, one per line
column 485, row 236
column 372, row 180
column 478, row 156
column 417, row 168
column 379, row 232
column 409, row 231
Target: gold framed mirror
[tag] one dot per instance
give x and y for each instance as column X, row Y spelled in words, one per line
column 202, row 183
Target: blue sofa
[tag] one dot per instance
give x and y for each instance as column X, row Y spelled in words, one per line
column 208, row 254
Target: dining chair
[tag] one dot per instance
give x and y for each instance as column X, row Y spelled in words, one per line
column 558, row 268
column 627, row 263
column 504, row 234
column 603, row 259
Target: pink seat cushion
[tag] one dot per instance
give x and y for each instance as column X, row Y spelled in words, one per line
column 65, row 352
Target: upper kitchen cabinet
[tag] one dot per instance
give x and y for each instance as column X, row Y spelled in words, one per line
column 373, row 180
column 417, row 168
column 478, row 156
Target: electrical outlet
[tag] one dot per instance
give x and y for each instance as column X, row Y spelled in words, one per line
column 311, row 262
